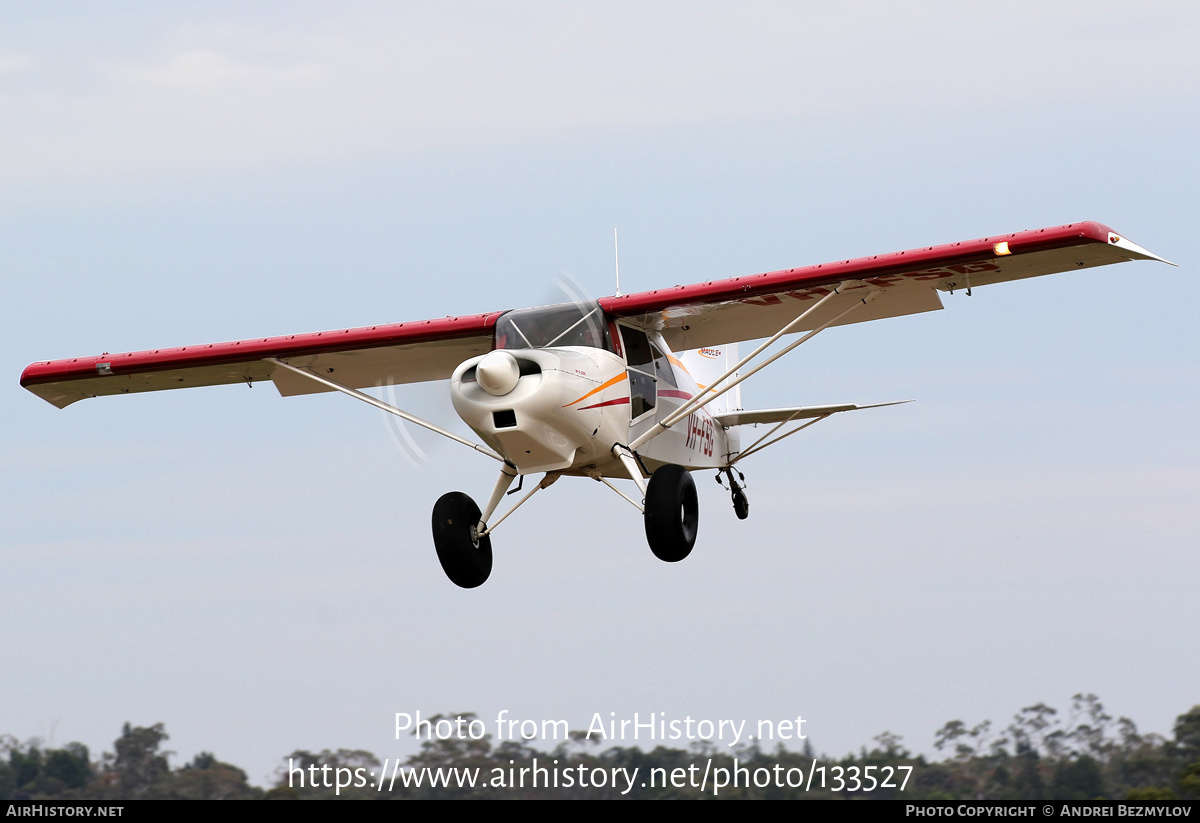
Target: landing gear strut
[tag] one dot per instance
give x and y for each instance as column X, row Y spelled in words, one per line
column 466, row 557
column 671, row 514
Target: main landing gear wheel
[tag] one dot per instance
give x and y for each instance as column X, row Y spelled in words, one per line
column 466, row 558
column 672, row 511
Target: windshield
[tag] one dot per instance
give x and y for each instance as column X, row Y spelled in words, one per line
column 567, row 324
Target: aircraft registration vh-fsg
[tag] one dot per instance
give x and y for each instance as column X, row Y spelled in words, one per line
column 642, row 386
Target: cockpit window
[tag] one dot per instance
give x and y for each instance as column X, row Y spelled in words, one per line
column 567, row 324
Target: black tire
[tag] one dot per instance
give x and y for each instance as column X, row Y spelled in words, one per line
column 467, row 561
column 741, row 506
column 672, row 512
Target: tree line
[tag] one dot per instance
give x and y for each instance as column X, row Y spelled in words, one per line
column 1039, row 755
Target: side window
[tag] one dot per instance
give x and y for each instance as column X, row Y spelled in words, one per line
column 637, row 349
column 643, row 389
column 642, row 392
column 662, row 367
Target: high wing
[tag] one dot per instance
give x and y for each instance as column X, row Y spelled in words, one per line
column 749, row 307
column 358, row 358
column 690, row 317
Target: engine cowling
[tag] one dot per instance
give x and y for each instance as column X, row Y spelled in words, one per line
column 523, row 403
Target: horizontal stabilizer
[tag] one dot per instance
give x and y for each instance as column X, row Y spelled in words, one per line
column 746, row 418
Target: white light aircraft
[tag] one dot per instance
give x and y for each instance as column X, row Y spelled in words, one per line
column 642, row 387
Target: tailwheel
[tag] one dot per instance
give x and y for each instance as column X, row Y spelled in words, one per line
column 741, row 506
column 737, row 491
column 466, row 557
column 671, row 514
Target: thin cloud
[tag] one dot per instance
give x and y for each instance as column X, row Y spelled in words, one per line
column 219, row 95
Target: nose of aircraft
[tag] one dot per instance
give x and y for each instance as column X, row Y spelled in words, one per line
column 498, row 373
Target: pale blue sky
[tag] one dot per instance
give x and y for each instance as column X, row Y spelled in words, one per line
column 257, row 573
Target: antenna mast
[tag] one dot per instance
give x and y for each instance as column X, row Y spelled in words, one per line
column 617, row 262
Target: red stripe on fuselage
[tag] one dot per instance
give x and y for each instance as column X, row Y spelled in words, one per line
column 618, row 402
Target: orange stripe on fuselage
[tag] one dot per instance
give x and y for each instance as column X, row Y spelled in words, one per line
column 675, row 361
column 600, row 388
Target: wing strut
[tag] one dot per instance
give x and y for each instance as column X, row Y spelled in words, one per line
column 379, row 404
column 711, row 393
